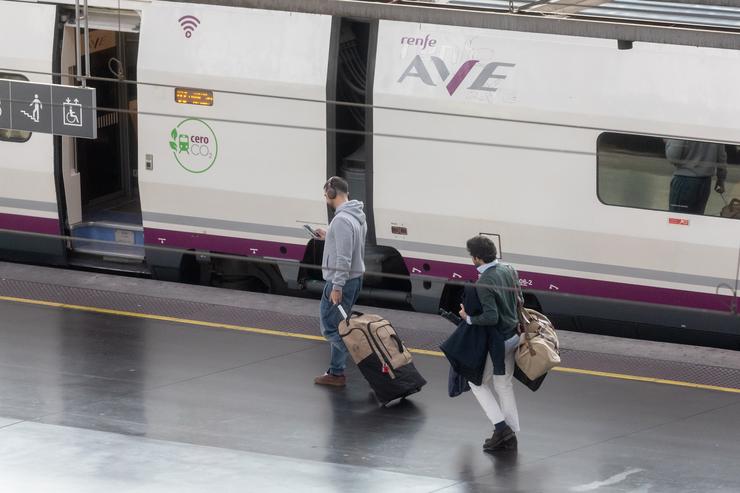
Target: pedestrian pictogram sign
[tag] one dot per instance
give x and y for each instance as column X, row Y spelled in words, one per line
column 48, row 108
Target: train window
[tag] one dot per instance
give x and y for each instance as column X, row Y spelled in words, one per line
column 685, row 176
column 14, row 135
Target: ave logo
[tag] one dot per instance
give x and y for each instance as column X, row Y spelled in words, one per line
column 483, row 80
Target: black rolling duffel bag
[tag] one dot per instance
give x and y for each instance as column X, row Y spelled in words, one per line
column 380, row 355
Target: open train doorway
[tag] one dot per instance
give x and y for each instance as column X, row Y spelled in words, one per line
column 101, row 175
column 350, row 84
column 349, row 94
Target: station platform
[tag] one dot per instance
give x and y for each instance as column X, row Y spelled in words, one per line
column 123, row 384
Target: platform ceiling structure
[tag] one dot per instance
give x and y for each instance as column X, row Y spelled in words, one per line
column 712, row 23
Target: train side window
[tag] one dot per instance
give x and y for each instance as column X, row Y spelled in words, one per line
column 668, row 174
column 13, row 135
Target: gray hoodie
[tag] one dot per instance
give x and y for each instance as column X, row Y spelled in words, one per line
column 697, row 159
column 344, row 248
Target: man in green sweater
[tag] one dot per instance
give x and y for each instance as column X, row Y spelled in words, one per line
column 498, row 291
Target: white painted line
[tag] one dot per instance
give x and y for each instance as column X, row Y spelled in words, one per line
column 617, row 478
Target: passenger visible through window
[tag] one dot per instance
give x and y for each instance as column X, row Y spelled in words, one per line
column 684, row 176
column 13, row 135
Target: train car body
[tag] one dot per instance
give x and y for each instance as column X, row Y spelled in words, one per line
column 229, row 120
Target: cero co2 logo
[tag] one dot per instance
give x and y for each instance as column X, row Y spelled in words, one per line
column 194, row 145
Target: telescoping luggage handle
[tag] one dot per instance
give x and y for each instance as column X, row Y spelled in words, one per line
column 344, row 313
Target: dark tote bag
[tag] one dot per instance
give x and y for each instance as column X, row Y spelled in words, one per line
column 532, row 385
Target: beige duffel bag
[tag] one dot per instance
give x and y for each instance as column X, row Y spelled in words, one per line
column 731, row 210
column 538, row 350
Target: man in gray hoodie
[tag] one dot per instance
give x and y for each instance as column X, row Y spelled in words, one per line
column 696, row 163
column 342, row 267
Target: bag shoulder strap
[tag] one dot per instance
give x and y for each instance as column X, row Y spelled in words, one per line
column 516, row 287
column 519, row 296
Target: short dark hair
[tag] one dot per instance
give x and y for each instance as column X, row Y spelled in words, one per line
column 337, row 183
column 482, row 247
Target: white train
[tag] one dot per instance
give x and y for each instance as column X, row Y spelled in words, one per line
column 552, row 144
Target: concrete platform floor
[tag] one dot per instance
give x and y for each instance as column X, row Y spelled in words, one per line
column 92, row 402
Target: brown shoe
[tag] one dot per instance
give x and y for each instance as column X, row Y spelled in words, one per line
column 332, row 380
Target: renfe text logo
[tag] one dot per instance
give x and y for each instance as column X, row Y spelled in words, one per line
column 419, row 69
column 423, row 42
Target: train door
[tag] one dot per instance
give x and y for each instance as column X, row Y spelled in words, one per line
column 28, row 195
column 101, row 175
column 350, row 148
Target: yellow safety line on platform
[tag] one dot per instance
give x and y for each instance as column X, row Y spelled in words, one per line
column 163, row 318
column 296, row 335
column 647, row 379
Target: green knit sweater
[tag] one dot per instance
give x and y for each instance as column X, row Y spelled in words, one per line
column 499, row 301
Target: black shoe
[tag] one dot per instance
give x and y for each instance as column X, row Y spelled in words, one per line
column 510, row 445
column 500, row 440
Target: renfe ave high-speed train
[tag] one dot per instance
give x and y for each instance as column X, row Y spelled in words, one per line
column 551, row 144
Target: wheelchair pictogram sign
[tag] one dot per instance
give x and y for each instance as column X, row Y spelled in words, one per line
column 72, row 112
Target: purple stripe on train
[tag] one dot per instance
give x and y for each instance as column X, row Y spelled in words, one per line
column 584, row 287
column 30, row 224
column 223, row 244
column 449, row 270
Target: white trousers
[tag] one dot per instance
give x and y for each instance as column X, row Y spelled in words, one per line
column 503, row 386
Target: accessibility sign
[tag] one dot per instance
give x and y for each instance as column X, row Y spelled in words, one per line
column 74, row 112
column 48, row 108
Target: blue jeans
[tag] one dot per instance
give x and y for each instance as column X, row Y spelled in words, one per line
column 330, row 318
column 689, row 194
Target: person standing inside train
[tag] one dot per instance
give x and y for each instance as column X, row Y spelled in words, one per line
column 498, row 295
column 696, row 163
column 342, row 267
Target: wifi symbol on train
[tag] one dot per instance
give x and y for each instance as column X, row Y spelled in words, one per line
column 188, row 24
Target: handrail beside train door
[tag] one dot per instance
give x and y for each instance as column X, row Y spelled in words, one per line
column 87, row 42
